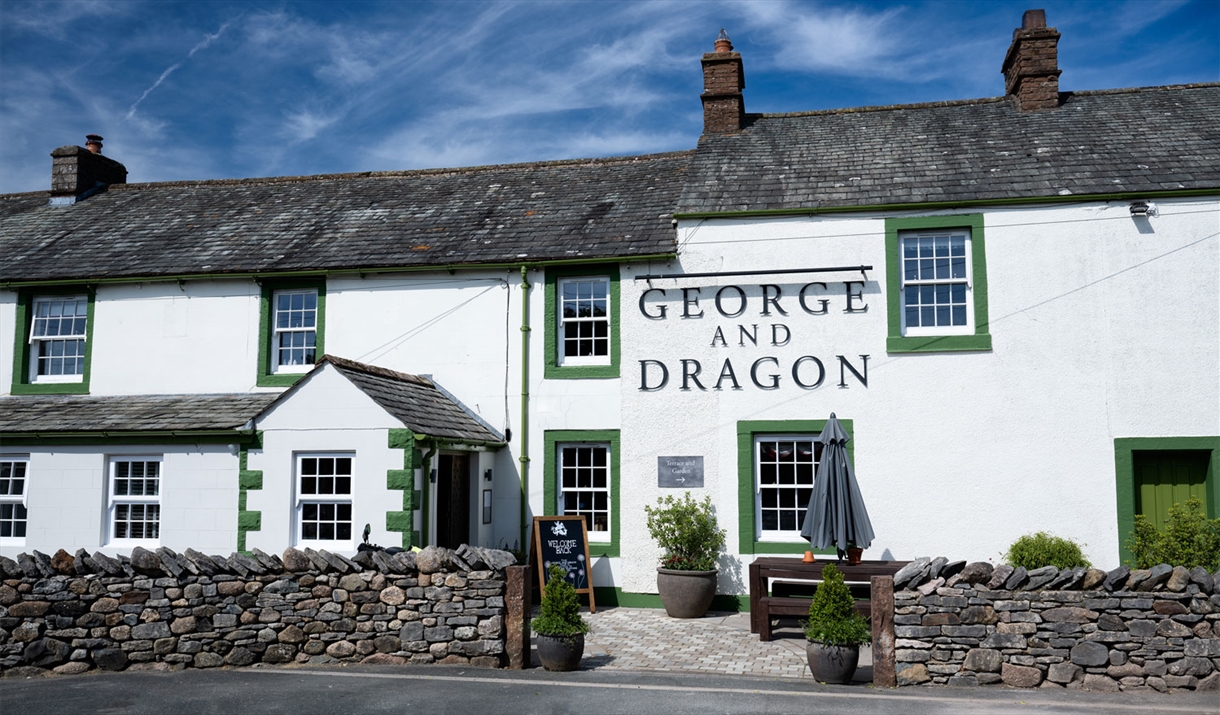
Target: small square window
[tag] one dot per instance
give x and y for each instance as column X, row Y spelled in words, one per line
column 135, row 500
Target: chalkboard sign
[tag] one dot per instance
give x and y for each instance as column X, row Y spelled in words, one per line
column 680, row 472
column 563, row 541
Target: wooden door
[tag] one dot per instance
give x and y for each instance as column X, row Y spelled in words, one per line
column 1165, row 478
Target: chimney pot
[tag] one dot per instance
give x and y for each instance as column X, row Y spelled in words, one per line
column 93, row 142
column 1033, row 19
column 723, row 44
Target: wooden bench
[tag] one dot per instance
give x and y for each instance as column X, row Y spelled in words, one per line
column 791, row 593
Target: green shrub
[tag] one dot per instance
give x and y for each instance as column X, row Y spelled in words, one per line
column 1033, row 551
column 560, row 613
column 686, row 530
column 1189, row 539
column 832, row 615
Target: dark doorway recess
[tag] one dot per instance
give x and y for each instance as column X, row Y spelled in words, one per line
column 453, row 501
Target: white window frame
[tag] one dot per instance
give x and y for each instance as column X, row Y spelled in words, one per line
column 16, row 500
column 561, row 343
column 278, row 368
column 303, row 499
column 115, row 501
column 780, row 535
column 80, row 302
column 595, row 536
column 903, row 283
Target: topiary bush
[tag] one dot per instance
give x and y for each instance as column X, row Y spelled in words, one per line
column 560, row 613
column 1189, row 539
column 686, row 529
column 832, row 615
column 1033, row 551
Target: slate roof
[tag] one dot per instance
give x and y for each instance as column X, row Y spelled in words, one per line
column 1112, row 141
column 416, row 401
column 49, row 414
column 597, row 208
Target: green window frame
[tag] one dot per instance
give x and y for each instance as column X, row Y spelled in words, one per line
column 22, row 385
column 266, row 376
column 550, row 484
column 747, row 515
column 553, row 369
column 896, row 342
column 1124, row 476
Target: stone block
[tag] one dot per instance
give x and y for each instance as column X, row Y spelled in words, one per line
column 1064, row 672
column 1090, row 654
column 1020, row 676
column 1100, row 683
column 983, row 660
column 1069, row 614
column 913, row 674
column 1004, row 640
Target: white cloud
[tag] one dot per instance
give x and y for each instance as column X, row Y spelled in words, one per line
column 207, row 40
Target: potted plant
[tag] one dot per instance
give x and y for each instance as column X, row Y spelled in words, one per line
column 686, row 530
column 834, row 630
column 560, row 628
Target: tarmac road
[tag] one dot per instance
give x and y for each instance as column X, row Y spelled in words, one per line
column 436, row 690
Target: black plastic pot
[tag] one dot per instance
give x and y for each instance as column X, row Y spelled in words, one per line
column 832, row 663
column 560, row 653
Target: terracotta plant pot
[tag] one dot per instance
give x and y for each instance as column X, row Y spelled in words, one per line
column 832, row 663
column 560, row 653
column 686, row 594
column 854, row 554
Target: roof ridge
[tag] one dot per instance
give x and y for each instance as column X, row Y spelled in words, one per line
column 346, row 364
column 978, row 100
column 439, row 171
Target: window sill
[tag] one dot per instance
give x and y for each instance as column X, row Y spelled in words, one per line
column 280, row 379
column 340, row 547
column 788, row 547
column 50, row 388
column 150, row 544
column 938, row 343
column 580, row 372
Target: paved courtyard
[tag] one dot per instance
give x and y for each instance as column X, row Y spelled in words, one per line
column 718, row 643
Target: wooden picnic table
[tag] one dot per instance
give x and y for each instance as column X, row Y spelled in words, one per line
column 764, row 606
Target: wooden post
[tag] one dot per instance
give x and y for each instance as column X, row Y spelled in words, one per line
column 517, row 605
column 881, row 593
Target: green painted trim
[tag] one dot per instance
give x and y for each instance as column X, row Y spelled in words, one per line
column 611, row 596
column 84, row 438
column 424, row 494
column 550, row 486
column 747, row 527
column 553, row 370
column 248, row 480
column 265, row 377
column 403, row 480
column 937, row 205
column 321, row 274
column 21, row 345
column 524, row 459
column 1124, row 478
column 895, row 341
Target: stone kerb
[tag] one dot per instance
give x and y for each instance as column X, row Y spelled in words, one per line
column 167, row 611
column 1123, row 630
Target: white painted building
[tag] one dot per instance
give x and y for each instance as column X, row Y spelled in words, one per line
column 1012, row 303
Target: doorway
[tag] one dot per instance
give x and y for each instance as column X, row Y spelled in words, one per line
column 453, row 501
column 1165, row 478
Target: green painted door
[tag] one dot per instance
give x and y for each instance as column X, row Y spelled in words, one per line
column 1163, row 479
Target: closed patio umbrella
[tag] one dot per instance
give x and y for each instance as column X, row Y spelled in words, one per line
column 836, row 514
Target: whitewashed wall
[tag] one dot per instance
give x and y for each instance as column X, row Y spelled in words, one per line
column 66, row 502
column 1103, row 326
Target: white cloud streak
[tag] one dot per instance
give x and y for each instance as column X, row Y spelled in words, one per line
column 207, row 40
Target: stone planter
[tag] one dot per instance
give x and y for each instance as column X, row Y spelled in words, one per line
column 686, row 594
column 832, row 663
column 560, row 653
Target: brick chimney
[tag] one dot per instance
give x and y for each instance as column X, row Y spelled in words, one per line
column 723, row 107
column 1031, row 67
column 77, row 172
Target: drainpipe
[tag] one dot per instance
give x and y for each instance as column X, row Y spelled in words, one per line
column 525, row 402
column 425, row 507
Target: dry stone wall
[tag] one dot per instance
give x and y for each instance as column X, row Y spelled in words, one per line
column 163, row 610
column 958, row 624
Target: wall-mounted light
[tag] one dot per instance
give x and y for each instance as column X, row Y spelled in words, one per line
column 1143, row 208
column 432, row 475
column 487, row 475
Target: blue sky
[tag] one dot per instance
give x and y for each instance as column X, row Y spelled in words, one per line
column 199, row 90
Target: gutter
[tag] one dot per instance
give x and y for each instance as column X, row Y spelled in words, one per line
column 323, row 273
column 238, row 436
column 970, row 203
